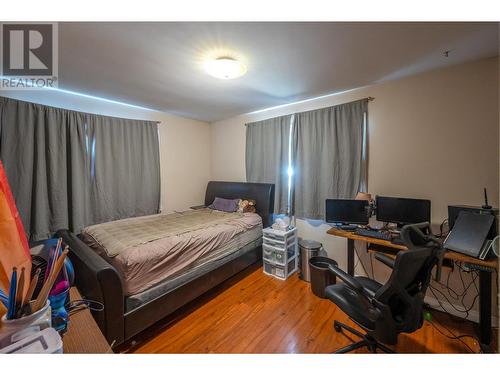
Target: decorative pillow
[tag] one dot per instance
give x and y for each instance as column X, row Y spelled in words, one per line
column 226, row 205
column 247, row 205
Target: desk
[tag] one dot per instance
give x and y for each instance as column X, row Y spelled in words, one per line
column 485, row 268
column 83, row 336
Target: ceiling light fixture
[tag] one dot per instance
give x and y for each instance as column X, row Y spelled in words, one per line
column 225, row 68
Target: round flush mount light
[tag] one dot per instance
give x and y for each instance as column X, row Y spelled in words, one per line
column 225, row 68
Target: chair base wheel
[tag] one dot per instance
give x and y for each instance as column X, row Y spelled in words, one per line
column 366, row 340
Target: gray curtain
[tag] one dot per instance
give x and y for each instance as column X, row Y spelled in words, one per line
column 69, row 169
column 267, row 156
column 43, row 152
column 125, row 173
column 329, row 158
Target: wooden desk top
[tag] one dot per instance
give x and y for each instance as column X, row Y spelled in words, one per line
column 449, row 254
column 84, row 335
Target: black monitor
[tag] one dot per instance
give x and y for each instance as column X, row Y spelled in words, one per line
column 347, row 211
column 403, row 210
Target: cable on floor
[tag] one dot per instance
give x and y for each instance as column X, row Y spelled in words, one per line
column 453, row 336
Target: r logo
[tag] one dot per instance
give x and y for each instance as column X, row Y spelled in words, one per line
column 27, row 49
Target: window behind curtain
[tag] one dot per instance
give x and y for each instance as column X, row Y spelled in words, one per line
column 125, row 168
column 266, row 158
column 329, row 156
column 52, row 157
column 310, row 156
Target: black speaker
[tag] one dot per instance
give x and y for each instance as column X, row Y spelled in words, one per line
column 453, row 212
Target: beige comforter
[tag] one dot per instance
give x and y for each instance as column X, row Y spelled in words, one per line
column 117, row 236
column 147, row 263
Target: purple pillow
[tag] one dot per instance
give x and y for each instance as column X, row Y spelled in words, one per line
column 226, row 205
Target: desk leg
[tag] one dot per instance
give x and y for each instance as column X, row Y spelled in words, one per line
column 350, row 257
column 485, row 310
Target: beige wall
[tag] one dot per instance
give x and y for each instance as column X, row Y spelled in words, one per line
column 433, row 135
column 185, row 163
column 184, row 143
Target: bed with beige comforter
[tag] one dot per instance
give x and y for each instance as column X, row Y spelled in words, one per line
column 150, row 249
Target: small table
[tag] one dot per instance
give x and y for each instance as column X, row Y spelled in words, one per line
column 485, row 268
column 84, row 335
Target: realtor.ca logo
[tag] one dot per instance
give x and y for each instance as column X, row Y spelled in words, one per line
column 29, row 57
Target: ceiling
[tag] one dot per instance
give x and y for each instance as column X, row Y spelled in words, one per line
column 160, row 65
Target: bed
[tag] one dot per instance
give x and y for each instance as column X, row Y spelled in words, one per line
column 143, row 277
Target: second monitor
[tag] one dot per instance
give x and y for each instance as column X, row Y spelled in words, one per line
column 403, row 211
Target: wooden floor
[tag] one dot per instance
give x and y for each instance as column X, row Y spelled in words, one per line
column 255, row 313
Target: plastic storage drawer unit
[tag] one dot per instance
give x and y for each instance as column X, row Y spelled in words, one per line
column 280, row 252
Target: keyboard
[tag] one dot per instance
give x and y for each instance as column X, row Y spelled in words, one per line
column 373, row 234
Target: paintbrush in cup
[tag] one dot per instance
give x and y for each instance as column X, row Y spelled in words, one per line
column 54, row 254
column 44, row 293
column 19, row 294
column 26, row 309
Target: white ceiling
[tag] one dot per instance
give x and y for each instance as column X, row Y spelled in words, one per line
column 160, row 65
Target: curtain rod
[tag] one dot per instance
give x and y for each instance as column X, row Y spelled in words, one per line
column 368, row 98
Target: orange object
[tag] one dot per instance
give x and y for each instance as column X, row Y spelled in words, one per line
column 14, row 249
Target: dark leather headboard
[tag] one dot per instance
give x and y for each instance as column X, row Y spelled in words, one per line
column 263, row 194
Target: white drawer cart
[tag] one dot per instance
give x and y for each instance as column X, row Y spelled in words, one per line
column 280, row 252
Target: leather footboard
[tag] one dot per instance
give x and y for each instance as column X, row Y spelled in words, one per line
column 97, row 280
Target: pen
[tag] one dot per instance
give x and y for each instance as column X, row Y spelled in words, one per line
column 19, row 295
column 12, row 294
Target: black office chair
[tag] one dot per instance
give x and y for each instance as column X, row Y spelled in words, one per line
column 384, row 311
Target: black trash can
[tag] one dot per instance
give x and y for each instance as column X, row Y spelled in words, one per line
column 320, row 276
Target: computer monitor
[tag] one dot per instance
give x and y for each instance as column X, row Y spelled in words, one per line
column 347, row 211
column 403, row 210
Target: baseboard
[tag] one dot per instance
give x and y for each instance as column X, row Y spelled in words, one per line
column 473, row 314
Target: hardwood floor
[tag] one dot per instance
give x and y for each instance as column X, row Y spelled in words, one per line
column 255, row 313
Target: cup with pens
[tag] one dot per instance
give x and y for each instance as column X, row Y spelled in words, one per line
column 59, row 293
column 23, row 311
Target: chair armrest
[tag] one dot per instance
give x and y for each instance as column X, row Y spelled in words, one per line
column 349, row 280
column 389, row 262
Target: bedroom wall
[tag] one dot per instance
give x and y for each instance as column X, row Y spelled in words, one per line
column 184, row 143
column 433, row 135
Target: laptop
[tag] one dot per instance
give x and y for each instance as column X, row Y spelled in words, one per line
column 469, row 234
